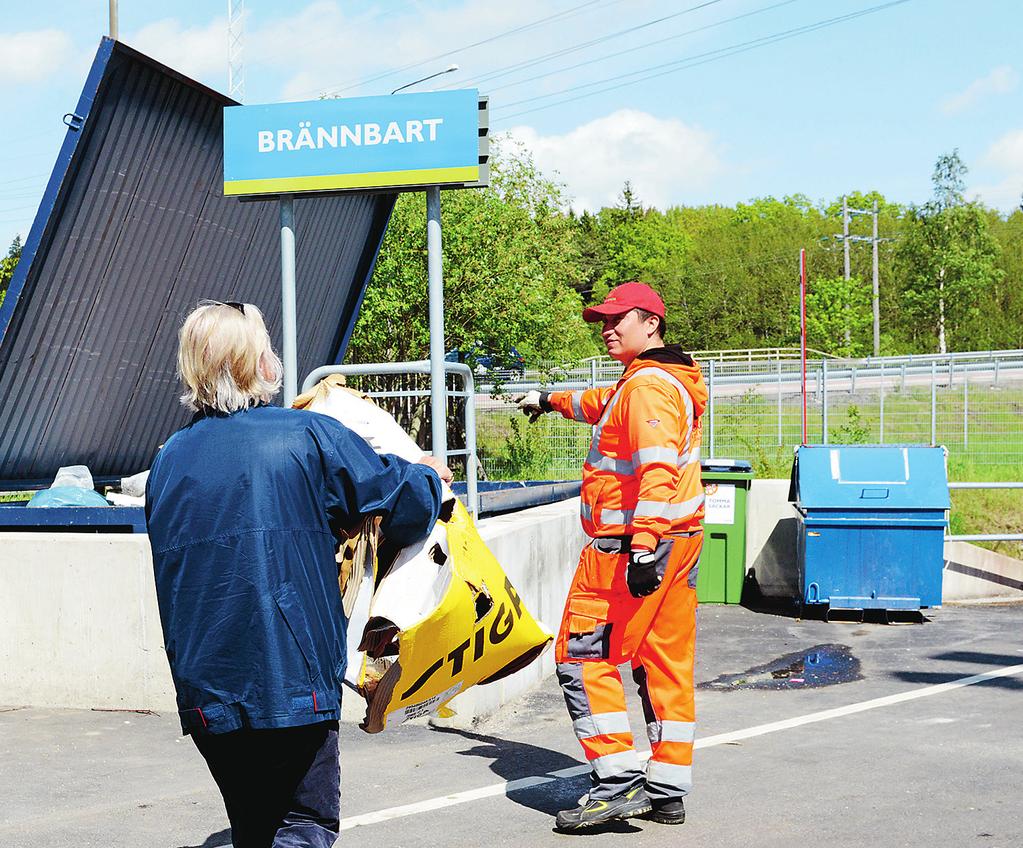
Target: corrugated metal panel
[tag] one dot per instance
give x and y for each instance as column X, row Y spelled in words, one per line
column 133, row 231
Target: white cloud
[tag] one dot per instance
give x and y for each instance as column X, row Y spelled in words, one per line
column 32, row 56
column 663, row 159
column 199, row 52
column 1004, row 157
column 1001, row 80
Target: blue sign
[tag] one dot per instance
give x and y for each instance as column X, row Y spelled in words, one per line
column 394, row 141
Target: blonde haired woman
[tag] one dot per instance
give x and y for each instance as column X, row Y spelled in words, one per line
column 245, row 506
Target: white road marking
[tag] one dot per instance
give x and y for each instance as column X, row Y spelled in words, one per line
column 505, row 787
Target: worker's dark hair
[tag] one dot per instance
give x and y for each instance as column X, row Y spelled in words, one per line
column 662, row 327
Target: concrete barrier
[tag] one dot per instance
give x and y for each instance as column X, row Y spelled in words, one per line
column 80, row 627
column 79, row 624
column 973, row 573
column 771, row 541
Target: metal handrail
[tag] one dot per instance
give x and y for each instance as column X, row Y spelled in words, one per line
column 985, row 537
column 422, row 366
column 985, row 485
column 837, row 371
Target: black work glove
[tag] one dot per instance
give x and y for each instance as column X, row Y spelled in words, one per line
column 641, row 573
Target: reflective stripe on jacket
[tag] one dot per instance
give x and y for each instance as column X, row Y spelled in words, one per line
column 642, row 474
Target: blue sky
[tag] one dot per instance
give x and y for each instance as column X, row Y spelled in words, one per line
column 866, row 103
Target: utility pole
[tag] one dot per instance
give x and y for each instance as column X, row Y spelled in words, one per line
column 113, row 19
column 877, row 294
column 235, row 41
column 845, row 238
column 845, row 247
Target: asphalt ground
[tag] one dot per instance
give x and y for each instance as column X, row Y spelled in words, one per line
column 810, row 733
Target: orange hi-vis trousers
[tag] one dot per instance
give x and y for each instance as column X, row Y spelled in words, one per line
column 604, row 626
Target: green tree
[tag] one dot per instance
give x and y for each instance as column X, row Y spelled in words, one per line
column 835, row 305
column 642, row 244
column 950, row 259
column 999, row 321
column 509, row 265
column 7, row 266
column 742, row 281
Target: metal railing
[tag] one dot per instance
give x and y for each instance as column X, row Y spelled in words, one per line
column 468, row 392
column 970, row 402
column 985, row 537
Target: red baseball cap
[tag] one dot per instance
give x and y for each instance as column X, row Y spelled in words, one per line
column 623, row 298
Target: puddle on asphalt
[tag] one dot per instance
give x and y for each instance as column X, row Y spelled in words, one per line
column 821, row 665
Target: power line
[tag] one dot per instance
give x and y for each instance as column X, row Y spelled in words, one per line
column 680, row 64
column 19, row 208
column 643, row 46
column 20, row 156
column 583, row 45
column 690, row 62
column 355, row 83
column 28, row 195
column 23, row 180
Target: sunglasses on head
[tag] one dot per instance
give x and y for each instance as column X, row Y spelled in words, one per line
column 234, row 304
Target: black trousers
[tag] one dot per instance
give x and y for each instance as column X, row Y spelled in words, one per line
column 281, row 787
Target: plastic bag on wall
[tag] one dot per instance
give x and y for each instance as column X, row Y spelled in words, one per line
column 72, row 486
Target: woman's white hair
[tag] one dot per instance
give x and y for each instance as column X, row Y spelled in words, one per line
column 225, row 359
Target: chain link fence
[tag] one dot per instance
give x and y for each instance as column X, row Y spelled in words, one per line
column 970, row 403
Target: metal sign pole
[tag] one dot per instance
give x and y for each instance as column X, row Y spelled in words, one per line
column 289, row 331
column 438, row 378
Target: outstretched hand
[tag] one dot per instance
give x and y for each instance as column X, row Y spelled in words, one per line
column 529, row 404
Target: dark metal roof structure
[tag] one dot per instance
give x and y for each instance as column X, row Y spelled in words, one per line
column 134, row 230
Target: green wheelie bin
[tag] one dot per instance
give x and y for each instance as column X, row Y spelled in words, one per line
column 726, row 483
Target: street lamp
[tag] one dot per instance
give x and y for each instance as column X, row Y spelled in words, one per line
column 447, row 70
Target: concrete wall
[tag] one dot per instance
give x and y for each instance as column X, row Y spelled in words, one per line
column 79, row 625
column 771, row 540
column 80, row 628
column 973, row 573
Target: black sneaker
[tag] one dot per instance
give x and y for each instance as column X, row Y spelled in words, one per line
column 632, row 803
column 667, row 812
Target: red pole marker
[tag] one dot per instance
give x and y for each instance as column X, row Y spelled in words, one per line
column 802, row 327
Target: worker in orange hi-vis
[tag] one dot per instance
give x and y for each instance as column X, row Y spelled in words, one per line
column 633, row 597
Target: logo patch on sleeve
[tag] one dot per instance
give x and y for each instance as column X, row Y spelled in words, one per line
column 653, row 422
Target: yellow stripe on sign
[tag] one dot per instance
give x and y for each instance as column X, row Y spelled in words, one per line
column 329, row 182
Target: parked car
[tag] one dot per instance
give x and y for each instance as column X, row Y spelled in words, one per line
column 488, row 363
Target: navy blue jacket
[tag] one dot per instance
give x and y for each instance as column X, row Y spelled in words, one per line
column 244, row 513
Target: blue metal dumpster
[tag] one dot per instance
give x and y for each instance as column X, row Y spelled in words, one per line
column 871, row 525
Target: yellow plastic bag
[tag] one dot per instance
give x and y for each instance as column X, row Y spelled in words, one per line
column 479, row 632
column 442, row 615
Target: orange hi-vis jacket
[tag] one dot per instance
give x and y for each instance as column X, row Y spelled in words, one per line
column 641, row 477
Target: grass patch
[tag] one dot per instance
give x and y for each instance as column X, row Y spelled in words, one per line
column 981, row 427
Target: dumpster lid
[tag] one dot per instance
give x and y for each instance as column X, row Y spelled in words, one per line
column 730, row 466
column 873, row 478
column 132, row 231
